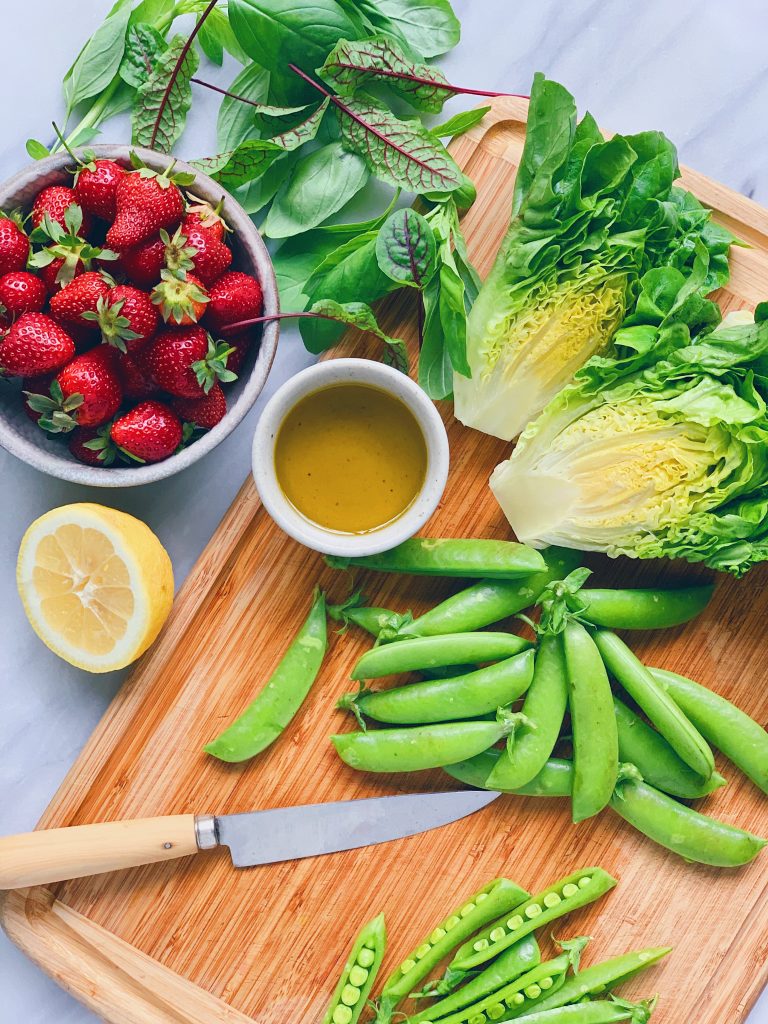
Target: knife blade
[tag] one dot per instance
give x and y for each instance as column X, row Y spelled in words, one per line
column 257, row 837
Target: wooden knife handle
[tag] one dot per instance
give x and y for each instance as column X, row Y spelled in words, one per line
column 52, row 855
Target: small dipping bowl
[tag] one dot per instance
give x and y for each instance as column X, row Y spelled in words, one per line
column 331, row 374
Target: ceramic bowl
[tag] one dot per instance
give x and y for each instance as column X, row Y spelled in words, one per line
column 344, row 371
column 24, row 439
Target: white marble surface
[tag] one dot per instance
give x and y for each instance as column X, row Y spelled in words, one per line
column 694, row 68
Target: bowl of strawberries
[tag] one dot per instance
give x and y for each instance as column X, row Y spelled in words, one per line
column 133, row 298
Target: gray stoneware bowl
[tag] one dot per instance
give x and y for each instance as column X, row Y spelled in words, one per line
column 24, row 439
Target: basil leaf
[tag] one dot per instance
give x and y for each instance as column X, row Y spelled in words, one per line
column 320, row 185
column 143, row 47
column 37, row 150
column 119, row 101
column 453, row 318
column 151, row 97
column 435, row 370
column 99, row 59
column 278, row 32
column 403, row 153
column 210, row 41
column 236, row 119
column 406, row 249
column 429, row 27
column 460, row 123
column 345, row 275
column 351, row 65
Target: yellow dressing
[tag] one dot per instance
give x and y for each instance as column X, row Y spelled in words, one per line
column 350, row 457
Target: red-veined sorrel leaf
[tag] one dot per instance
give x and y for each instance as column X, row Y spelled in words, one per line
column 164, row 98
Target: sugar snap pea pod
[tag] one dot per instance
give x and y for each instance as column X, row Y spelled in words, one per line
column 570, row 893
column 356, row 981
column 488, row 601
column 422, row 746
column 517, row 995
column 554, row 779
column 595, row 737
column 544, row 709
column 281, row 696
column 445, row 700
column 644, row 609
column 727, row 727
column 601, row 1011
column 602, row 977
column 499, row 896
column 520, row 958
column 372, row 620
column 659, row 765
column 684, row 738
column 433, row 651
column 439, row 556
column 694, row 836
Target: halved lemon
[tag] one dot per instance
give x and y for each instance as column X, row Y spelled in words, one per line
column 96, row 584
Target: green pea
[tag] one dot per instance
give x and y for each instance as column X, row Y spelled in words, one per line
column 358, row 975
column 514, row 922
column 407, row 965
column 533, row 911
column 546, row 983
column 481, row 944
column 342, row 1015
column 451, row 922
column 481, row 896
column 533, row 991
column 551, row 899
column 366, row 957
column 570, row 890
column 350, row 995
column 495, row 1012
column 466, row 910
column 281, row 696
column 422, row 951
column 437, row 934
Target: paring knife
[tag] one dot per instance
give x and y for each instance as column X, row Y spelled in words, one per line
column 260, row 837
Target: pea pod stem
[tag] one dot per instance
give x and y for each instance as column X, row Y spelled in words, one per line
column 359, row 974
column 442, row 700
column 650, row 695
column 372, row 620
column 544, row 707
column 659, row 765
column 643, row 609
column 568, row 894
column 726, row 727
column 679, row 828
column 500, row 559
column 499, row 896
column 600, row 977
column 281, row 696
column 595, row 737
column 434, row 651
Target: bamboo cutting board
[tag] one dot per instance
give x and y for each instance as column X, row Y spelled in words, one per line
column 197, row 941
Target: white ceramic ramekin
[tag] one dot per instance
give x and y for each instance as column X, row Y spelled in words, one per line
column 344, row 371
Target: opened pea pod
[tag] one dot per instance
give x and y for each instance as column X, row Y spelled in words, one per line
column 359, row 974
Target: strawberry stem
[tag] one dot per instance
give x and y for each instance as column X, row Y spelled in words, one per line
column 66, row 145
column 176, row 69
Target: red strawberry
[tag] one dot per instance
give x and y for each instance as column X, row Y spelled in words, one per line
column 50, row 273
column 96, row 186
column 35, row 386
column 127, row 318
column 92, row 445
column 234, row 297
column 181, row 297
column 146, row 202
column 240, row 345
column 20, row 292
column 186, row 361
column 80, row 297
column 207, row 217
column 55, row 201
column 203, row 412
column 86, row 393
column 14, row 245
column 150, row 432
column 143, row 263
column 34, row 345
column 212, row 257
column 135, row 378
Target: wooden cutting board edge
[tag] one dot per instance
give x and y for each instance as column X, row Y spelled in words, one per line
column 113, row 978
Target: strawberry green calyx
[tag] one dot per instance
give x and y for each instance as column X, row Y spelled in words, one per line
column 103, row 445
column 164, row 178
column 115, row 329
column 214, row 366
column 178, row 255
column 56, row 411
column 17, row 216
column 177, row 297
column 64, row 243
column 210, row 216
